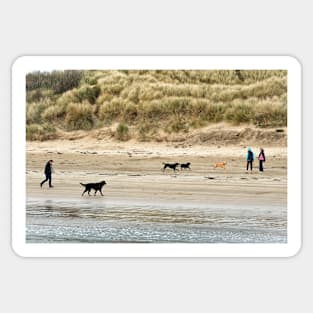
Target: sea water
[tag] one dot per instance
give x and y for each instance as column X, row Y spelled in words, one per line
column 95, row 220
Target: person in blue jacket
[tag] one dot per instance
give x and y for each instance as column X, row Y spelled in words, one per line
column 249, row 158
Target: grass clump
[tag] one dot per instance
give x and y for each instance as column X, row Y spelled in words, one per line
column 53, row 113
column 131, row 112
column 146, row 131
column 111, row 110
column 177, row 125
column 272, row 117
column 40, row 132
column 122, row 132
column 87, row 93
column 237, row 114
column 79, row 116
column 34, row 110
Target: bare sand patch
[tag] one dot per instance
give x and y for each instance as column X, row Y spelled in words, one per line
column 133, row 171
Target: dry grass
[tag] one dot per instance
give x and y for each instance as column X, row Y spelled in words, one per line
column 122, row 132
column 167, row 101
column 79, row 116
column 40, row 132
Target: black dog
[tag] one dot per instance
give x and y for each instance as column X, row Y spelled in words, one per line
column 95, row 186
column 185, row 165
column 170, row 165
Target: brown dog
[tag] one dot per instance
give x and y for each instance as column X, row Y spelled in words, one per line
column 220, row 164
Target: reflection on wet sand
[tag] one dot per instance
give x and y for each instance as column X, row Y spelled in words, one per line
column 103, row 221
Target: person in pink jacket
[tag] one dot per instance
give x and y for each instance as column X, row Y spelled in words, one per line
column 261, row 159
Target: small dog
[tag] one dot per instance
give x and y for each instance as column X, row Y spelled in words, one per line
column 221, row 165
column 95, row 186
column 185, row 165
column 170, row 165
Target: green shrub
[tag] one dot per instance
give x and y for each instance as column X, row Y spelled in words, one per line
column 87, row 93
column 122, row 132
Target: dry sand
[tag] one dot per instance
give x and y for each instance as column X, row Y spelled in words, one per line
column 133, row 172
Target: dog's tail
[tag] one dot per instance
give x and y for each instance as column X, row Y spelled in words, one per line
column 83, row 184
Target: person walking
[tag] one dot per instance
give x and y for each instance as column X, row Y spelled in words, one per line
column 48, row 173
column 261, row 158
column 249, row 158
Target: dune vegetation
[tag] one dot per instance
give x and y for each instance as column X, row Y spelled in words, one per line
column 142, row 103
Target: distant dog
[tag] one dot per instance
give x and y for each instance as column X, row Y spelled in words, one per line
column 95, row 186
column 185, row 165
column 221, row 165
column 170, row 165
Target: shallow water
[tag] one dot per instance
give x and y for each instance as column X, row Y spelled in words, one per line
column 97, row 220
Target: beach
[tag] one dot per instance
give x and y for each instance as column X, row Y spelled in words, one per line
column 143, row 203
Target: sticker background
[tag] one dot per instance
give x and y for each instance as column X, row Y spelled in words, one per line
column 154, row 285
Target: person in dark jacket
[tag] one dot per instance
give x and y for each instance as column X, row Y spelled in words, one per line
column 249, row 158
column 261, row 159
column 48, row 173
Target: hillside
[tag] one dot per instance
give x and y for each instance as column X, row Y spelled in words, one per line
column 155, row 105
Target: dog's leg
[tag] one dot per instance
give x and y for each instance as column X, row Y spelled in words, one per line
column 101, row 193
column 84, row 192
column 95, row 192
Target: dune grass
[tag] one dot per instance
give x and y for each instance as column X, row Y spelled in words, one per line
column 151, row 101
column 122, row 132
column 40, row 132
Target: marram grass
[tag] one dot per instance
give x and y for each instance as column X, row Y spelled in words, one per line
column 152, row 101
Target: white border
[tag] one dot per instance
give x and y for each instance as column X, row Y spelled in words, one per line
column 26, row 64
